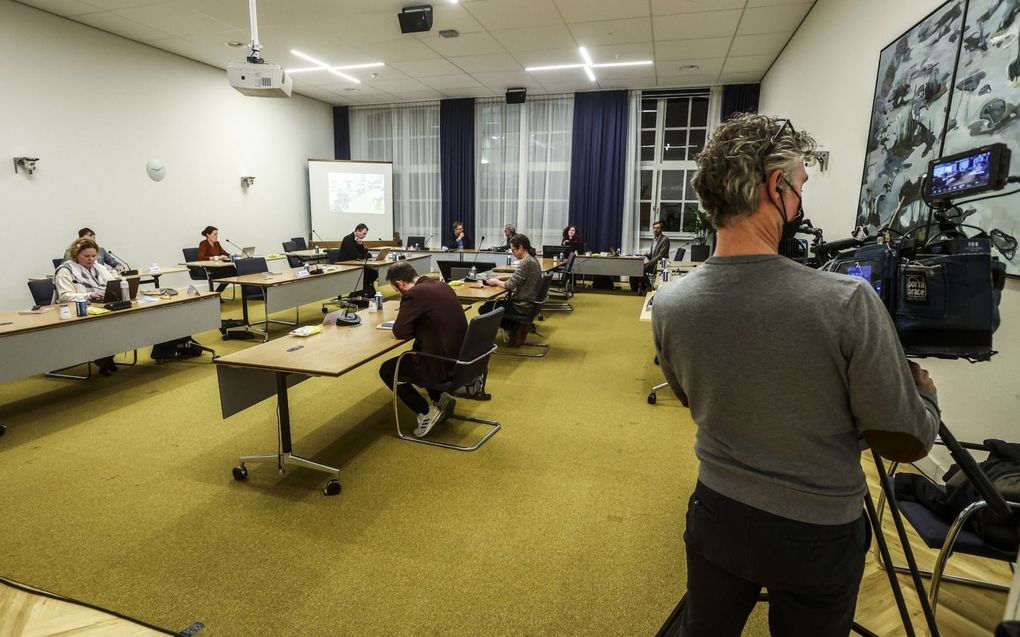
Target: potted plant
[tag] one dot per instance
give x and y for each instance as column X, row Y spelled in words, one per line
column 702, row 227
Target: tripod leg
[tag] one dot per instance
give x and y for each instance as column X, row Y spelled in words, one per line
column 894, row 583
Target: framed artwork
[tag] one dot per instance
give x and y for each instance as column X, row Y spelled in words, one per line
column 950, row 83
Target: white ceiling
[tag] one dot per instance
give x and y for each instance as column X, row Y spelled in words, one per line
column 730, row 41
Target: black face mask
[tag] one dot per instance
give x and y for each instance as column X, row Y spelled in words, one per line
column 790, row 226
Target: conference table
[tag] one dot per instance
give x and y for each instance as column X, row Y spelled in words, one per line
column 469, row 293
column 418, row 260
column 38, row 343
column 596, row 264
column 292, row 288
column 210, row 266
column 547, row 264
column 250, row 376
column 152, row 272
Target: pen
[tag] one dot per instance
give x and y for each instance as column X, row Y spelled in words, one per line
column 7, row 323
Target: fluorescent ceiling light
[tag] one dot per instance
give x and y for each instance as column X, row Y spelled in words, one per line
column 335, row 70
column 588, row 65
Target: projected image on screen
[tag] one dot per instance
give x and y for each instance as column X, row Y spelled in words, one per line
column 362, row 193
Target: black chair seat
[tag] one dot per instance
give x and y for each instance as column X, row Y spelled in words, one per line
column 933, row 531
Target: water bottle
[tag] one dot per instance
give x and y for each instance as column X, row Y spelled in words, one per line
column 561, row 257
column 472, row 273
column 509, row 260
column 125, row 290
column 378, row 301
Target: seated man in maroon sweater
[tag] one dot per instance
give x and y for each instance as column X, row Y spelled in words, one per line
column 431, row 314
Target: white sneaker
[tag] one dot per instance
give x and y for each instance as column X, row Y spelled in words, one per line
column 427, row 421
column 446, row 405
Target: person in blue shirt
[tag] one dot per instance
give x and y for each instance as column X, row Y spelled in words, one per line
column 458, row 239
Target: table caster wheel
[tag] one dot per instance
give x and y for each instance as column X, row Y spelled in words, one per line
column 325, row 310
column 240, row 472
column 3, row 430
column 332, row 488
column 651, row 398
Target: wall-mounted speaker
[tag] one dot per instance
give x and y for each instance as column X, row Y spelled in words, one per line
column 516, row 95
column 416, row 19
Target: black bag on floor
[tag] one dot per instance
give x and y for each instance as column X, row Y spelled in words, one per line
column 177, row 348
column 603, row 282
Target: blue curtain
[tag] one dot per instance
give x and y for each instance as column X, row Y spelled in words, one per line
column 457, row 165
column 597, row 167
column 739, row 98
column 341, row 133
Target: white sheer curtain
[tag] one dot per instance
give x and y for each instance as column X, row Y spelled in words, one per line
column 523, row 171
column 408, row 136
column 631, row 241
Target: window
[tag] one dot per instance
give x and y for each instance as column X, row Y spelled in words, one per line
column 673, row 131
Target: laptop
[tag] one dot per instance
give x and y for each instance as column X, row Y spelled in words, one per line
column 382, row 254
column 462, row 273
column 247, row 253
column 113, row 290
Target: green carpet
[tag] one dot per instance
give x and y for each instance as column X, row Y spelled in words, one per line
column 118, row 491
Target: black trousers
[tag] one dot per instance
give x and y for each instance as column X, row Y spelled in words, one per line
column 488, row 306
column 406, row 391
column 812, row 572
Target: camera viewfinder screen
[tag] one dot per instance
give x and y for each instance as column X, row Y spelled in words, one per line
column 964, row 173
column 866, row 270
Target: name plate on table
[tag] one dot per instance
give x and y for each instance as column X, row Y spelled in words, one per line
column 152, row 268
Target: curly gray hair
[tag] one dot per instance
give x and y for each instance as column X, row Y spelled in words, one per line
column 741, row 154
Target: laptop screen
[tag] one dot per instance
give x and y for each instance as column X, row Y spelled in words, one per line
column 113, row 290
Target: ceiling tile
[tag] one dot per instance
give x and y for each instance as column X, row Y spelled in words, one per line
column 514, row 14
column 561, row 76
column 487, row 63
column 467, row 44
column 110, row 5
column 548, row 58
column 425, row 68
column 233, row 13
column 705, row 66
column 748, row 63
column 535, row 39
column 621, row 53
column 629, row 83
column 61, row 7
column 453, row 17
column 399, row 85
column 760, row 44
column 612, row 32
column 620, row 72
column 676, row 81
column 175, row 19
column 122, row 26
column 685, row 26
column 425, row 94
column 502, row 81
column 590, row 11
column 664, row 7
column 441, row 82
column 400, row 50
column 479, row 91
column 569, row 87
column 774, row 3
column 683, row 49
column 740, row 78
column 779, row 19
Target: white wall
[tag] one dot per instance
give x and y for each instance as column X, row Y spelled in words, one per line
column 96, row 107
column 825, row 82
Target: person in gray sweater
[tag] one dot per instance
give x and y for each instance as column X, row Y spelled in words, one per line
column 522, row 287
column 788, row 373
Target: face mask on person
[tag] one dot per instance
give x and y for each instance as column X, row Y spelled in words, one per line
column 790, row 226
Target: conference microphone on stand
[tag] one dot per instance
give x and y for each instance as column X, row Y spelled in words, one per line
column 472, row 274
column 425, row 245
column 240, row 250
column 348, row 319
column 316, row 234
column 127, row 267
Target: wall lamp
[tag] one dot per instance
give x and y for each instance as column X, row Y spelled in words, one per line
column 247, row 182
column 26, row 163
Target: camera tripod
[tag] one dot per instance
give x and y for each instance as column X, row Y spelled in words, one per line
column 977, row 478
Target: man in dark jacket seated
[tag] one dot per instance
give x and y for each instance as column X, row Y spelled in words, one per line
column 431, row 314
column 352, row 248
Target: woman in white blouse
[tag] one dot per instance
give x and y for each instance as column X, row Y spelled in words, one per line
column 81, row 277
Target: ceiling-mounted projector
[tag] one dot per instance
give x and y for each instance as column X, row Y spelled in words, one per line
column 260, row 79
column 254, row 76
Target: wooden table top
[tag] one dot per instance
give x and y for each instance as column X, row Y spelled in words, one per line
column 547, row 264
column 50, row 318
column 334, row 352
column 373, row 263
column 477, row 292
column 282, row 277
column 306, row 254
column 228, row 262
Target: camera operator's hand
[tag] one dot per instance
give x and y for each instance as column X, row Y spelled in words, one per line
column 922, row 379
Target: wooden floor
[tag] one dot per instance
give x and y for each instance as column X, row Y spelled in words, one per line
column 963, row 611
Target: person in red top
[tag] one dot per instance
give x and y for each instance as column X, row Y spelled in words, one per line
column 431, row 314
column 211, row 250
column 571, row 237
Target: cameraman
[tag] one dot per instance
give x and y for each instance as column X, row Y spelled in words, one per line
column 784, row 369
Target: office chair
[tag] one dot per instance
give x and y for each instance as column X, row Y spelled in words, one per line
column 299, row 243
column 291, row 246
column 471, row 369
column 415, row 241
column 256, row 265
column 946, row 535
column 43, row 291
column 199, row 273
column 512, row 319
column 562, row 284
column 679, row 255
column 56, row 263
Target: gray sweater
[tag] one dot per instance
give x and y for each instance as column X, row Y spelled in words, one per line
column 522, row 287
column 784, row 368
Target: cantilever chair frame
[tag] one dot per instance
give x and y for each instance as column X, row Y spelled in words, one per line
column 259, row 293
column 937, row 574
column 532, row 328
column 566, row 290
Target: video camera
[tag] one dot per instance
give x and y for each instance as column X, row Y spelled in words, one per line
column 943, row 293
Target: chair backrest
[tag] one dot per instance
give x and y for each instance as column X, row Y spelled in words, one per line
column 415, row 241
column 299, row 243
column 332, row 255
column 42, row 291
column 479, row 338
column 253, row 265
column 56, row 263
column 570, row 262
column 542, row 295
column 190, row 255
column 291, row 246
column 680, row 252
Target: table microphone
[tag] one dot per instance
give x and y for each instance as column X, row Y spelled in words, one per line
column 473, row 262
column 425, row 245
column 348, row 319
column 127, row 267
column 239, row 248
column 316, row 234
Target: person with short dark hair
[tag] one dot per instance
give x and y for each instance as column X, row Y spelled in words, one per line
column 352, row 248
column 509, row 230
column 458, row 239
column 432, row 315
column 522, row 287
column 787, row 371
column 658, row 251
column 209, row 249
column 105, row 258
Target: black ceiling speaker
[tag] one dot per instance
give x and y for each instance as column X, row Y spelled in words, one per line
column 416, row 19
column 516, row 95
